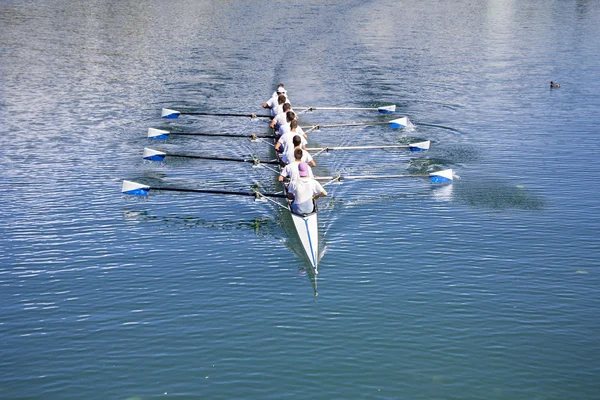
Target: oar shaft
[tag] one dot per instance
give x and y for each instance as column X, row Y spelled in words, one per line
column 224, row 114
column 337, row 108
column 215, row 191
column 215, row 158
column 358, row 147
column 347, row 124
column 233, row 135
column 347, row 177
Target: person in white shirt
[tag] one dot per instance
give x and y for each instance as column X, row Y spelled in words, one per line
column 284, row 128
column 285, row 141
column 288, row 155
column 290, row 172
column 303, row 190
column 280, row 90
column 281, row 118
column 274, row 103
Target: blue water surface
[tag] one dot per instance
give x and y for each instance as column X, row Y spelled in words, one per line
column 486, row 288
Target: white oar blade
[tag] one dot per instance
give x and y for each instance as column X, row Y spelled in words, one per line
column 134, row 188
column 387, row 109
column 421, row 146
column 159, row 134
column 399, row 123
column 443, row 176
column 154, row 155
column 168, row 113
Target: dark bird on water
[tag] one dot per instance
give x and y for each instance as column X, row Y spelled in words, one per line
column 554, row 85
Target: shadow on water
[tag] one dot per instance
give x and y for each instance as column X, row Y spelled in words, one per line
column 496, row 195
column 425, row 165
column 448, row 128
column 261, row 226
column 455, row 154
column 443, row 157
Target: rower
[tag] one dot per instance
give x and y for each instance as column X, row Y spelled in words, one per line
column 285, row 127
column 303, row 190
column 285, row 141
column 288, row 155
column 280, row 90
column 281, row 118
column 290, row 172
column 273, row 102
column 281, row 100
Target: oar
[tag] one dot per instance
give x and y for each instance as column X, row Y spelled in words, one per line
column 156, row 155
column 443, row 176
column 421, row 146
column 382, row 110
column 138, row 189
column 394, row 124
column 168, row 113
column 161, row 134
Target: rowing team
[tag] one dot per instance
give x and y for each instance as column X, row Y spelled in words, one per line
column 296, row 169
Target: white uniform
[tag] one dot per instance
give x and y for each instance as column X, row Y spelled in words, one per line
column 280, row 119
column 272, row 103
column 303, row 190
column 284, row 128
column 278, row 109
column 276, row 95
column 288, row 156
column 291, row 171
column 287, row 138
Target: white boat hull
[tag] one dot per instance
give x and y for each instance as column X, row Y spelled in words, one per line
column 307, row 228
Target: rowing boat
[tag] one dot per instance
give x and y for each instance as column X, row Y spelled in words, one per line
column 306, row 225
column 307, row 229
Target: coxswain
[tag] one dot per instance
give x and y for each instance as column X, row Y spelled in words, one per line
column 273, row 102
column 290, row 171
column 288, row 155
column 280, row 90
column 303, row 190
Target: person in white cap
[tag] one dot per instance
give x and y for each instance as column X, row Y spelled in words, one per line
column 303, row 190
column 291, row 171
column 280, row 90
column 273, row 102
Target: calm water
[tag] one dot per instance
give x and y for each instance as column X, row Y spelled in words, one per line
column 483, row 289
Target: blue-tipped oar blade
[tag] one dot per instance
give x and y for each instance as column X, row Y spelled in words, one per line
column 154, row 155
column 387, row 109
column 134, row 188
column 443, row 176
column 399, row 123
column 421, row 146
column 168, row 113
column 159, row 134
